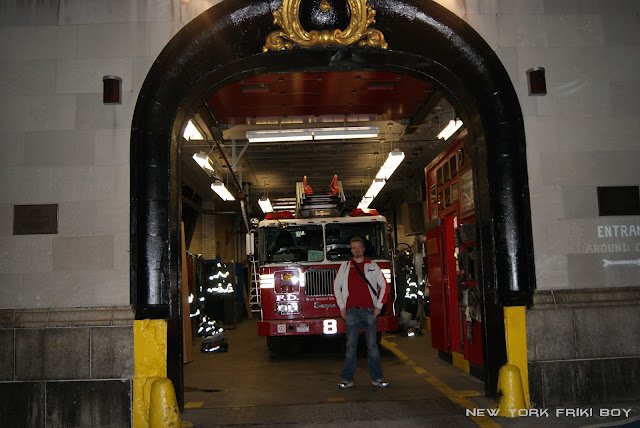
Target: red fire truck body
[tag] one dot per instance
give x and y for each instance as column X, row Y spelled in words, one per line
column 298, row 261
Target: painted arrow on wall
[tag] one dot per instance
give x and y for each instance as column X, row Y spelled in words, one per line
column 620, row 262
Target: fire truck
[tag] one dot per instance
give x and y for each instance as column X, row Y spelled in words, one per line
column 298, row 258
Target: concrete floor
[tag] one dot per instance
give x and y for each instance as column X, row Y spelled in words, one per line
column 249, row 386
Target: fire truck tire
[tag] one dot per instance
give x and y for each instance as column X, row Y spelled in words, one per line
column 277, row 345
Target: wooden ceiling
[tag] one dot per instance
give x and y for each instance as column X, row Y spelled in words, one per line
column 377, row 94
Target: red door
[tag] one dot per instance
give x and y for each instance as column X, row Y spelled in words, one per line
column 451, row 283
column 437, row 292
column 471, row 296
column 443, row 289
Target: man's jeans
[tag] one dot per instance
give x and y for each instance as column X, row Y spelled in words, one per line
column 355, row 318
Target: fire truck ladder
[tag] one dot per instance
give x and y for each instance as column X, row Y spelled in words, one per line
column 254, row 296
column 309, row 204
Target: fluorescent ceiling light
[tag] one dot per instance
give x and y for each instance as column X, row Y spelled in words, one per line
column 279, row 135
column 346, row 132
column 364, row 203
column 265, row 205
column 394, row 160
column 450, row 129
column 191, row 132
column 222, row 191
column 376, row 185
column 204, row 161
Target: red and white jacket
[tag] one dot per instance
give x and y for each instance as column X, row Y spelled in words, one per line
column 371, row 271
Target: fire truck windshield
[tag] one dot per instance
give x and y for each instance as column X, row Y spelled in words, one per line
column 294, row 243
column 373, row 233
column 305, row 243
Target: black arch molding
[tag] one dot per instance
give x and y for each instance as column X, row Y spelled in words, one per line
column 425, row 40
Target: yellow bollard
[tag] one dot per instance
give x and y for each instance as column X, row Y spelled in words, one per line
column 154, row 399
column 163, row 406
column 510, row 391
column 426, row 323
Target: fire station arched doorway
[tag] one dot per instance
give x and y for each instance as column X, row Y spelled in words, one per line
column 426, row 41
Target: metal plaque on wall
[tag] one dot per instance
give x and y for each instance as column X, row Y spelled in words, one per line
column 35, row 219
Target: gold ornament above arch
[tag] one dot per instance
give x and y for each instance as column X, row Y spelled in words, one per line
column 292, row 33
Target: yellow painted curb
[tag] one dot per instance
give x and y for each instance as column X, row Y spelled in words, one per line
column 393, row 348
column 459, row 362
column 462, row 401
column 458, row 397
column 467, row 393
column 420, row 370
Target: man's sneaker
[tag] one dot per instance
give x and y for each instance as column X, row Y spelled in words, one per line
column 380, row 383
column 345, row 384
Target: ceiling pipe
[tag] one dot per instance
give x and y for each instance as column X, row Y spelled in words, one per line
column 422, row 113
column 243, row 206
column 209, row 121
column 201, row 210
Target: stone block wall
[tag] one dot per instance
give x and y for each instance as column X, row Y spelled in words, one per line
column 66, row 367
column 61, row 145
column 583, row 347
column 582, row 134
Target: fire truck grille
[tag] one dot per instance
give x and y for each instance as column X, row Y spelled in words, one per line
column 319, row 282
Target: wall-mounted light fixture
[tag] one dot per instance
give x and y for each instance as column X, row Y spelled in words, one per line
column 347, row 132
column 222, row 191
column 204, row 161
column 111, row 90
column 450, row 129
column 537, row 81
column 191, row 132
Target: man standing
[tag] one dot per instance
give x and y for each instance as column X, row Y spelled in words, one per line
column 359, row 288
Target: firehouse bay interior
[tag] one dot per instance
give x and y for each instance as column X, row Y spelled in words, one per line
column 220, row 82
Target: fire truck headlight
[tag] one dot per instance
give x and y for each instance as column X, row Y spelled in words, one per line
column 286, row 308
column 290, row 277
column 288, row 281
